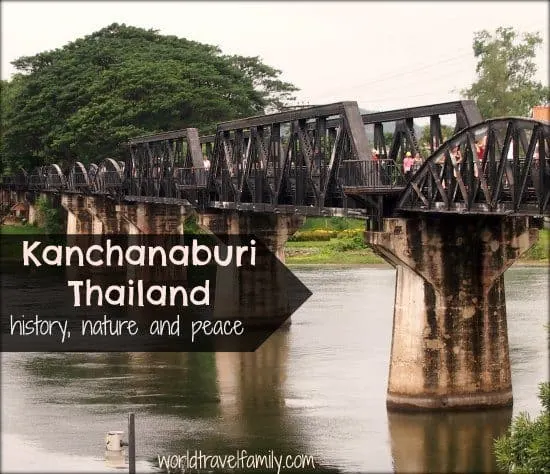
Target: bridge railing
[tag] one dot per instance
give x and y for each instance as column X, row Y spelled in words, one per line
column 15, row 182
column 54, row 182
column 193, row 177
column 37, row 182
column 108, row 180
column 78, row 181
column 371, row 174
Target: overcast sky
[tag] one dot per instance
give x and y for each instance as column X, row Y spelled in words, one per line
column 383, row 55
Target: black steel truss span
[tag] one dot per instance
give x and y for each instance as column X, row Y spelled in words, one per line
column 164, row 165
column 288, row 158
column 501, row 166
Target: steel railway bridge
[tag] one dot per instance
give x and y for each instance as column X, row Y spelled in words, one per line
column 317, row 161
column 451, row 230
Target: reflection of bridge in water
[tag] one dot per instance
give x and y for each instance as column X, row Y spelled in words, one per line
column 465, row 216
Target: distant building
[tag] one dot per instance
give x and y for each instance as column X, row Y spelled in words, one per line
column 541, row 112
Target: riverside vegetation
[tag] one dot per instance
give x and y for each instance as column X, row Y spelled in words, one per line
column 340, row 241
column 327, row 241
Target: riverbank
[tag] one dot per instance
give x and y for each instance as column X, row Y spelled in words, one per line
column 326, row 252
column 334, row 241
column 317, row 253
column 344, row 249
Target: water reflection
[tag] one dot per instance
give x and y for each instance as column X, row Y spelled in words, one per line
column 252, row 385
column 446, row 442
column 243, row 394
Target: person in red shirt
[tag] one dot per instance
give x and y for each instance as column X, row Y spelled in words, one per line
column 480, row 151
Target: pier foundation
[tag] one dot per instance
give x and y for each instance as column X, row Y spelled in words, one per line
column 450, row 343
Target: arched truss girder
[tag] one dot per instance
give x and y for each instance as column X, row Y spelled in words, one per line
column 500, row 166
column 55, row 179
column 92, row 172
column 109, row 177
column 78, row 179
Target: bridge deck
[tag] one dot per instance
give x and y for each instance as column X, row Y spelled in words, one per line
column 377, row 190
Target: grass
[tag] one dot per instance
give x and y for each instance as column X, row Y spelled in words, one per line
column 332, row 223
column 541, row 250
column 20, row 230
column 298, row 253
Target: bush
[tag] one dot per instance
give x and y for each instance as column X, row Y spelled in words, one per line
column 191, row 226
column 332, row 223
column 350, row 233
column 541, row 250
column 338, row 223
column 526, row 446
column 49, row 217
column 349, row 243
column 313, row 235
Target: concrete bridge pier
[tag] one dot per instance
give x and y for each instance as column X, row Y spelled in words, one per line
column 31, row 200
column 236, row 293
column 272, row 229
column 5, row 197
column 153, row 219
column 79, row 219
column 450, row 343
column 100, row 215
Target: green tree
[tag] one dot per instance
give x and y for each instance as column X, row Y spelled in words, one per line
column 84, row 100
column 8, row 90
column 276, row 93
column 526, row 446
column 506, row 70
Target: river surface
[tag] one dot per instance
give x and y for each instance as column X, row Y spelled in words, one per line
column 317, row 388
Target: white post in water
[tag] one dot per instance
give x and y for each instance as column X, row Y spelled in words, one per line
column 114, row 456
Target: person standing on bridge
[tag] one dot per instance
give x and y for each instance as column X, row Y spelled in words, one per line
column 417, row 163
column 375, row 170
column 408, row 163
column 480, row 151
column 204, row 173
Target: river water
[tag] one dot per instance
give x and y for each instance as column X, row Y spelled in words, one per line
column 317, row 389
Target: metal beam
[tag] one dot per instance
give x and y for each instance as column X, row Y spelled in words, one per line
column 158, row 137
column 288, row 116
column 467, row 107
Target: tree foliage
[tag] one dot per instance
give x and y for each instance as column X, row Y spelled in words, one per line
column 506, row 70
column 526, row 447
column 82, row 101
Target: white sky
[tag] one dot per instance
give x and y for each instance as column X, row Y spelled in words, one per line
column 383, row 55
